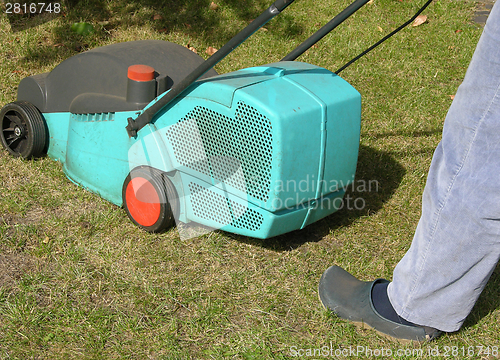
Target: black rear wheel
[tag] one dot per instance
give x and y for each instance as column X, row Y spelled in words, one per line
column 23, row 130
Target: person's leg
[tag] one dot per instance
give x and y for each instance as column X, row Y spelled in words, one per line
column 457, row 242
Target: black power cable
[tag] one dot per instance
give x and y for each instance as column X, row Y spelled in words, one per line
column 384, row 38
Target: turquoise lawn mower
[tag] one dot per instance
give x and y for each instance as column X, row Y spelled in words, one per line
column 150, row 126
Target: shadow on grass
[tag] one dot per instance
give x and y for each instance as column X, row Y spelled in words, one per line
column 379, row 168
column 21, row 22
column 191, row 17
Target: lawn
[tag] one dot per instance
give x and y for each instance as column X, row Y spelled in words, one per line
column 79, row 281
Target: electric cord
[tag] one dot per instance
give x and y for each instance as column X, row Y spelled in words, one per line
column 384, row 38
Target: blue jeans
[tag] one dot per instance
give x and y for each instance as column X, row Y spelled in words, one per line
column 457, row 242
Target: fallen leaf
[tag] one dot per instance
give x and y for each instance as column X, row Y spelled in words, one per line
column 58, row 45
column 452, row 97
column 213, row 6
column 157, row 17
column 457, row 31
column 420, row 19
column 315, row 46
column 380, row 29
column 188, row 26
column 210, row 50
column 163, row 30
column 263, row 29
column 370, row 2
column 191, row 48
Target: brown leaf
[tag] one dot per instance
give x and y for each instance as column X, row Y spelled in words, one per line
column 213, row 6
column 157, row 17
column 457, row 31
column 380, row 29
column 210, row 50
column 452, row 97
column 419, row 20
column 191, row 48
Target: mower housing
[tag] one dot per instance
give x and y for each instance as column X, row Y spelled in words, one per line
column 258, row 152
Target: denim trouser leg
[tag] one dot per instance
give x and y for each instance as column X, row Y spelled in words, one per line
column 457, row 242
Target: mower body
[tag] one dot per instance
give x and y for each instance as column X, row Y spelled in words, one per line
column 259, row 152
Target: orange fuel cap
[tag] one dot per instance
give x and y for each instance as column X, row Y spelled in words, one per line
column 141, row 73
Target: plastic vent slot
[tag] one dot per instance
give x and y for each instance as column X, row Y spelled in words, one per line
column 228, row 144
column 211, row 206
column 94, row 117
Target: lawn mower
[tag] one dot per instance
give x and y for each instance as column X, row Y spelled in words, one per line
column 150, row 126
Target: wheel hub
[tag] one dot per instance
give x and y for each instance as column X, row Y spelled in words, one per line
column 18, row 131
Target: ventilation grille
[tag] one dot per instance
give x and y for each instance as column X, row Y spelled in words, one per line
column 94, row 117
column 250, row 219
column 211, row 206
column 218, row 146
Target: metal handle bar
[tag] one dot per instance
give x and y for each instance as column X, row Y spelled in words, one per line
column 146, row 117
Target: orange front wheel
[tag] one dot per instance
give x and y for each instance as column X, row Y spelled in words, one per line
column 150, row 199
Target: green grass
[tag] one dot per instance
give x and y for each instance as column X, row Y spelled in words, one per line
column 79, row 280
